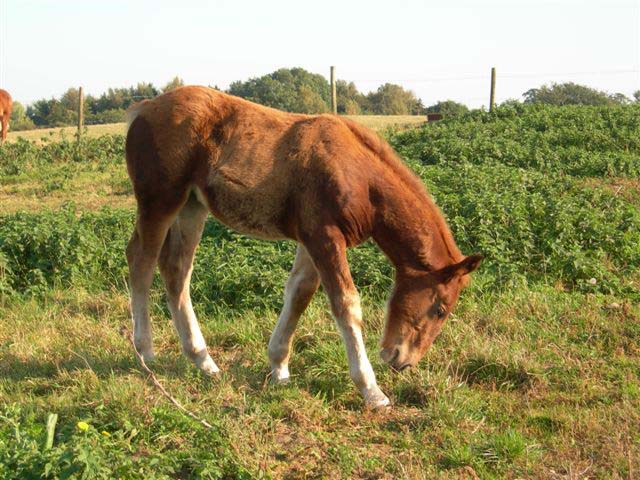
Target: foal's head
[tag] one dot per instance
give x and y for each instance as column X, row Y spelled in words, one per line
column 418, row 307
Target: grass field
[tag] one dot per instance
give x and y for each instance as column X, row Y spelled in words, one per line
column 537, row 375
column 375, row 122
column 62, row 133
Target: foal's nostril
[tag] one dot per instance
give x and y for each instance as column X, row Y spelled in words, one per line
column 396, row 352
column 389, row 355
column 404, row 367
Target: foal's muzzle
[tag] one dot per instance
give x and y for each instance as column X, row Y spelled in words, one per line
column 395, row 358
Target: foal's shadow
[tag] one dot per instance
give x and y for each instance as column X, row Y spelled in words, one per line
column 252, row 376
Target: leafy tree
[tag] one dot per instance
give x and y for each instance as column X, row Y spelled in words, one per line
column 620, row 98
column 121, row 98
column 50, row 113
column 107, row 108
column 391, row 99
column 636, row 96
column 60, row 116
column 115, row 115
column 448, row 108
column 310, row 101
column 37, row 112
column 571, row 94
column 292, row 90
column 70, row 99
column 350, row 100
column 112, row 99
column 142, row 90
column 172, row 84
column 19, row 119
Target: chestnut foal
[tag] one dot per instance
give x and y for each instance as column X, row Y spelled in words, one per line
column 323, row 181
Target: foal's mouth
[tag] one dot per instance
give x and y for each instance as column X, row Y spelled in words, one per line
column 393, row 360
column 400, row 368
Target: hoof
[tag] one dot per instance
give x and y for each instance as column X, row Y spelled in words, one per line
column 378, row 402
column 280, row 376
column 208, row 366
column 147, row 355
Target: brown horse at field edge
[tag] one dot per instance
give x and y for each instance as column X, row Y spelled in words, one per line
column 323, row 181
column 6, row 105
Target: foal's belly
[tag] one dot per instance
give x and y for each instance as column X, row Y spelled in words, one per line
column 248, row 210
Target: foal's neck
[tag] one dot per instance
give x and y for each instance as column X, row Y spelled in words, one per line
column 411, row 231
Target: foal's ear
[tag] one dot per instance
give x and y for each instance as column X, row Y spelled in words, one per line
column 471, row 263
column 464, row 267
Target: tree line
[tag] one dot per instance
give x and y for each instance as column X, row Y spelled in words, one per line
column 109, row 107
column 292, row 90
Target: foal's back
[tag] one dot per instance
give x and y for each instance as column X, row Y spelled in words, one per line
column 259, row 170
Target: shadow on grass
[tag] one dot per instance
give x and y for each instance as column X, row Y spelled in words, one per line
column 241, row 371
column 412, row 395
column 17, row 369
column 486, row 372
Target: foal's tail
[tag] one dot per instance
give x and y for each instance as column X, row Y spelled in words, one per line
column 133, row 111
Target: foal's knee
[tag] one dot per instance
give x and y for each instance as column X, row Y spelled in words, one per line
column 347, row 310
column 302, row 283
column 309, row 282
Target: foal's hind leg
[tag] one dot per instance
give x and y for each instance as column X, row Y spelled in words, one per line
column 302, row 284
column 176, row 265
column 142, row 256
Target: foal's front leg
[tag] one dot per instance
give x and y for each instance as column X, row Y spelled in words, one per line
column 330, row 258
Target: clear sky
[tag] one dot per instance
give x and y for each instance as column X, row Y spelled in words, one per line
column 439, row 49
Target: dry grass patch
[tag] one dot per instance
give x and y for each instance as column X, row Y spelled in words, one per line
column 627, row 188
column 41, row 135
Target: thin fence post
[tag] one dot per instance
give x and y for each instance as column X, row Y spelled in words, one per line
column 492, row 96
column 80, row 111
column 334, row 100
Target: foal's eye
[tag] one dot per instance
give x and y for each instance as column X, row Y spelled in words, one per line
column 441, row 311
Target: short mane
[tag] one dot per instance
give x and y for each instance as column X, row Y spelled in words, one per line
column 383, row 150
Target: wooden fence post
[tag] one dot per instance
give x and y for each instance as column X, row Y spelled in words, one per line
column 334, row 100
column 492, row 96
column 80, row 111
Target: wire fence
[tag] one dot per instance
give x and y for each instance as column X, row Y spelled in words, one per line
column 463, row 77
column 442, row 86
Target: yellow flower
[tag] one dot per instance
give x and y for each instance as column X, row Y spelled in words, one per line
column 84, row 426
column 106, row 434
